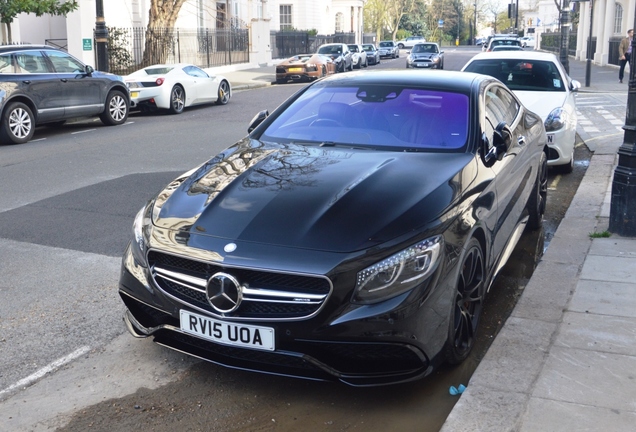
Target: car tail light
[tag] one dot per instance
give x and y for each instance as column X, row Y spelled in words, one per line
column 159, row 81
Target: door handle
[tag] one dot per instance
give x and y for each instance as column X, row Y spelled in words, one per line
column 27, row 81
column 521, row 140
column 63, row 80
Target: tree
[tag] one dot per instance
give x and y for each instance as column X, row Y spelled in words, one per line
column 160, row 32
column 9, row 9
column 375, row 16
column 396, row 9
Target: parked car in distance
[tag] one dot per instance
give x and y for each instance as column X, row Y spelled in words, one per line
column 484, row 46
column 425, row 55
column 505, row 41
column 304, row 67
column 410, row 41
column 506, row 48
column 359, row 56
column 527, row 42
column 225, row 265
column 539, row 80
column 340, row 54
column 480, row 41
column 373, row 55
column 174, row 87
column 388, row 49
column 45, row 85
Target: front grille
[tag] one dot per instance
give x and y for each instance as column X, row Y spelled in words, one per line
column 266, row 295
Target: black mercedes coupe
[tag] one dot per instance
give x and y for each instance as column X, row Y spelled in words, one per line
column 353, row 234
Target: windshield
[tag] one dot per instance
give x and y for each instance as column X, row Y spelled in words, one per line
column 330, row 49
column 519, row 74
column 388, row 117
column 386, row 44
column 368, row 47
column 424, row 48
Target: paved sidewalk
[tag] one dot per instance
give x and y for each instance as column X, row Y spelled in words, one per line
column 565, row 360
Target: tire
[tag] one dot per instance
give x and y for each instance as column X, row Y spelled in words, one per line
column 366, row 63
column 116, row 109
column 401, row 46
column 18, row 124
column 177, row 100
column 468, row 301
column 280, row 81
column 538, row 198
column 223, row 96
column 351, row 66
column 323, row 72
column 358, row 65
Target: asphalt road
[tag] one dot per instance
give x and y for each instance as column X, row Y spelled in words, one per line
column 66, row 209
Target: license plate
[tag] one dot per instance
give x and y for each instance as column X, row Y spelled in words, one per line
column 550, row 138
column 227, row 333
column 422, row 65
column 295, row 69
column 134, row 94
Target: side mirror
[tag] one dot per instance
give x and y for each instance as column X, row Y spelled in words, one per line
column 501, row 139
column 88, row 69
column 257, row 120
column 575, row 85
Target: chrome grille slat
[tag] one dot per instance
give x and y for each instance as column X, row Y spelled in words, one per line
column 267, row 295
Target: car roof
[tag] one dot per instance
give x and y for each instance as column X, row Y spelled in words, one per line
column 522, row 55
column 26, row 47
column 460, row 82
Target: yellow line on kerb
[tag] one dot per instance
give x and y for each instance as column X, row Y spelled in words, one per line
column 600, row 137
column 555, row 182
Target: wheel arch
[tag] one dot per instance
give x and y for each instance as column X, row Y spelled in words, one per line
column 25, row 100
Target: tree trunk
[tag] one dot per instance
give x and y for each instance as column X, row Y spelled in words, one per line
column 161, row 37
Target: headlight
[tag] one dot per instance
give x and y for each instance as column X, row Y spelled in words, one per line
column 399, row 272
column 435, row 59
column 556, row 120
column 139, row 242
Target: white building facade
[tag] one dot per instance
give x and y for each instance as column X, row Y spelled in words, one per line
column 610, row 20
column 75, row 32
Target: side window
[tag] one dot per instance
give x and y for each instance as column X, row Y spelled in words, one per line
column 195, row 72
column 5, row 64
column 64, row 63
column 501, row 105
column 30, row 62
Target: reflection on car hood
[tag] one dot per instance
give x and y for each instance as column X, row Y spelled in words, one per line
column 541, row 103
column 323, row 198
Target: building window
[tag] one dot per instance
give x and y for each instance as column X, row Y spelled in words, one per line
column 339, row 22
column 618, row 18
column 286, row 17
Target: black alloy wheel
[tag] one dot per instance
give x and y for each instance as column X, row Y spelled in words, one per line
column 116, row 109
column 18, row 124
column 223, row 96
column 177, row 100
column 468, row 301
column 539, row 196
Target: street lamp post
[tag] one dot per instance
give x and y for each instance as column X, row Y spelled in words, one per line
column 565, row 35
column 588, row 64
column 623, row 202
column 476, row 23
column 101, row 37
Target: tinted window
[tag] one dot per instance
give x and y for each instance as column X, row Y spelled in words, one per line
column 501, row 106
column 195, row 72
column 30, row 62
column 378, row 116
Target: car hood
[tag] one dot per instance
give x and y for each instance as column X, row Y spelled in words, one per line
column 331, row 199
column 541, row 103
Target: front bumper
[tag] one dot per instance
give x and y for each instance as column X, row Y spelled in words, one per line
column 375, row 344
column 561, row 146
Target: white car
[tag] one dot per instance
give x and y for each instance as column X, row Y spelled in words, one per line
column 527, row 42
column 175, row 87
column 410, row 41
column 542, row 86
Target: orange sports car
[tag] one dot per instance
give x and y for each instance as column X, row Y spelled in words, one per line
column 304, row 67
